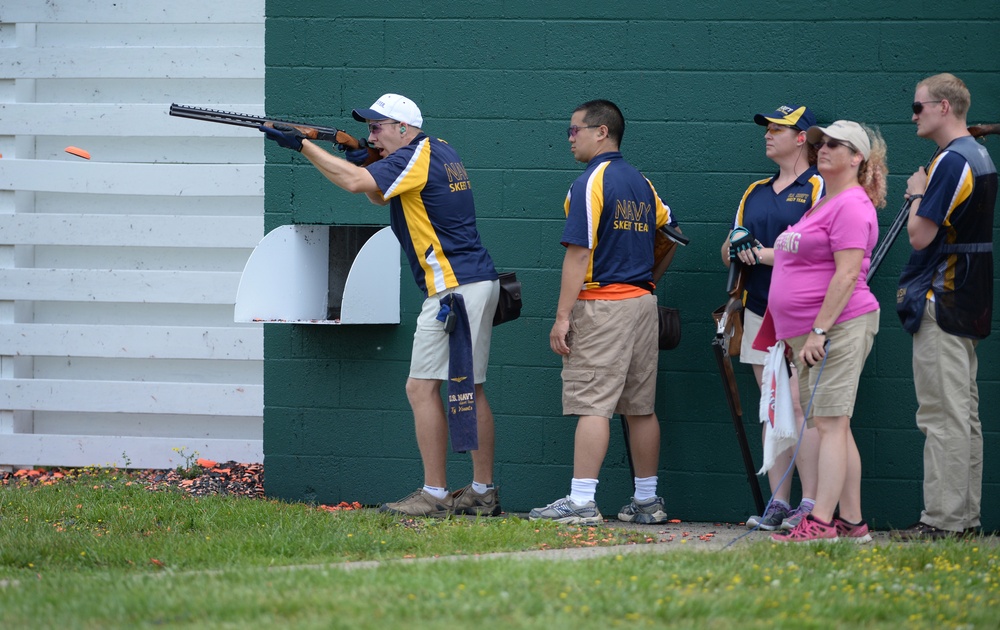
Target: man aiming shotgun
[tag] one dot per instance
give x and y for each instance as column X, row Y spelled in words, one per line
column 431, row 210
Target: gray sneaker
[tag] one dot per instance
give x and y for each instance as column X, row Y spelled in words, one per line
column 468, row 501
column 565, row 511
column 420, row 503
column 646, row 512
column 795, row 517
column 772, row 518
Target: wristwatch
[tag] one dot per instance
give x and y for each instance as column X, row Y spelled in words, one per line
column 819, row 331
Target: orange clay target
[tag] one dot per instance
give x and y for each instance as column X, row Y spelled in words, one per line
column 78, row 152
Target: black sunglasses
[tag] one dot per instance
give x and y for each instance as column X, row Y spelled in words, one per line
column 918, row 106
column 833, row 144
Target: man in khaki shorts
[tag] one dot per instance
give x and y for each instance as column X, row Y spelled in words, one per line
column 606, row 318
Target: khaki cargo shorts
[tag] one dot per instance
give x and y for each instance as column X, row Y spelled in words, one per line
column 613, row 356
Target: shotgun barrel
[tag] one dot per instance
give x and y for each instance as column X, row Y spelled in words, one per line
column 312, row 132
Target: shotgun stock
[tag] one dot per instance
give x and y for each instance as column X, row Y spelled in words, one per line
column 312, row 132
column 728, row 323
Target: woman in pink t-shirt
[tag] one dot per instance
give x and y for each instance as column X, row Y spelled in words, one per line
column 823, row 309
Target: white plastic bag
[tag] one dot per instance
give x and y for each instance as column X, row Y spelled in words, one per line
column 776, row 407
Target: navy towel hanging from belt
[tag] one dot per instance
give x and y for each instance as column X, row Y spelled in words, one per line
column 462, row 420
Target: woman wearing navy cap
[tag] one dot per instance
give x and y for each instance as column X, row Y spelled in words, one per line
column 768, row 207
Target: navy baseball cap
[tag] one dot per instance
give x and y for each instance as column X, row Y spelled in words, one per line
column 797, row 116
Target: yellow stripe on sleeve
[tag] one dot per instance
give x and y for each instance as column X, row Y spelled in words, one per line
column 595, row 205
column 438, row 272
column 663, row 215
column 414, row 176
column 739, row 211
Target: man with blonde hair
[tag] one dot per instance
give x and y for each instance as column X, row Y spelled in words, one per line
column 945, row 300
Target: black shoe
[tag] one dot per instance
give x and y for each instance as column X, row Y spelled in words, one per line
column 923, row 531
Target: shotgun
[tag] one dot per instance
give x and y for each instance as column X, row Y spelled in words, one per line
column 312, row 132
column 728, row 335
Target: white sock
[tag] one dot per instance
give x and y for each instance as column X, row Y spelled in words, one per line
column 437, row 493
column 481, row 488
column 645, row 488
column 582, row 490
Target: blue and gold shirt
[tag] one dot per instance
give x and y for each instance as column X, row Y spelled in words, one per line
column 766, row 214
column 614, row 211
column 433, row 215
column 956, row 268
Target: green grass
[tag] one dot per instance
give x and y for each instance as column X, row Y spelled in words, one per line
column 97, row 553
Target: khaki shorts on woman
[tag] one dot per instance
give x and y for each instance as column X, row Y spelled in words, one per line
column 850, row 343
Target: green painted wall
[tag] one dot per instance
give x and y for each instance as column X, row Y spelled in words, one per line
column 499, row 80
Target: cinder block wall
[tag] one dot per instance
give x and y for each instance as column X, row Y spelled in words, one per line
column 499, row 81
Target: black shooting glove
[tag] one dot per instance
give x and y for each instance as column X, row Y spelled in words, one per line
column 354, row 156
column 741, row 240
column 285, row 136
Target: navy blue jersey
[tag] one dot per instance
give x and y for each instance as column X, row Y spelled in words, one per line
column 766, row 214
column 433, row 215
column 614, row 211
column 956, row 268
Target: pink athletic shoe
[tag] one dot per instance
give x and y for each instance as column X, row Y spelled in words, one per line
column 809, row 529
column 854, row 533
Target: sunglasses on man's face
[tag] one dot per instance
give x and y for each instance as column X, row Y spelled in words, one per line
column 833, row 144
column 572, row 130
column 377, row 127
column 918, row 106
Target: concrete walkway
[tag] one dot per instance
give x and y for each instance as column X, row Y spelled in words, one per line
column 691, row 535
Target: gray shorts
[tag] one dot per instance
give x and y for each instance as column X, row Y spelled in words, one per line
column 429, row 359
column 613, row 357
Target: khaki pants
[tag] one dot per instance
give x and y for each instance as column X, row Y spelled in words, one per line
column 944, row 375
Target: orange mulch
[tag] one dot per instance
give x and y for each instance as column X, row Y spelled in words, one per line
column 207, row 478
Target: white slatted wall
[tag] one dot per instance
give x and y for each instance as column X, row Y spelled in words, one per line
column 118, row 274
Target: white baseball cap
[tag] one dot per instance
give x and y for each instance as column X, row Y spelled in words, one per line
column 392, row 106
column 846, row 130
